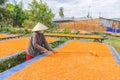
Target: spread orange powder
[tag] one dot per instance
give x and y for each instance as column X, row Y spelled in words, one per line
column 3, row 35
column 6, row 35
column 73, row 62
column 12, row 46
column 72, row 35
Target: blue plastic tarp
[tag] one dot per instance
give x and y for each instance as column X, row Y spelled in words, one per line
column 116, row 55
column 109, row 29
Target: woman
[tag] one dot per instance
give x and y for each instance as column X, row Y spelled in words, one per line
column 38, row 43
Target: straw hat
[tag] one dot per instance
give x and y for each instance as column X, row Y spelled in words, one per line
column 39, row 27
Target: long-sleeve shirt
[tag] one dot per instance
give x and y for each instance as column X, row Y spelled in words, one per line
column 37, row 44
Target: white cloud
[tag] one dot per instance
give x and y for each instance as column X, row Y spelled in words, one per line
column 80, row 8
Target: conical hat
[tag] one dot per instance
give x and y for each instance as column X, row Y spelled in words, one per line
column 39, row 27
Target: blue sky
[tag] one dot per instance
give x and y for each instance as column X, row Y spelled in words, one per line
column 80, row 8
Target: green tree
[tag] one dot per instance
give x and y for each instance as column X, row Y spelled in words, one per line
column 2, row 12
column 15, row 14
column 40, row 12
column 61, row 14
column 2, row 2
column 88, row 15
column 12, row 15
column 19, row 15
column 10, row 11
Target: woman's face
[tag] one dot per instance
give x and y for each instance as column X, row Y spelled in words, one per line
column 41, row 31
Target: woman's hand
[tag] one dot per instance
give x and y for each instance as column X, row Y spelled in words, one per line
column 44, row 51
column 54, row 51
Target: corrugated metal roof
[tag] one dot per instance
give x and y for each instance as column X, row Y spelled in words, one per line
column 113, row 19
column 118, row 19
column 114, row 23
column 71, row 19
column 63, row 19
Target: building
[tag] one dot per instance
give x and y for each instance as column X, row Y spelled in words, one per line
column 112, row 25
column 69, row 19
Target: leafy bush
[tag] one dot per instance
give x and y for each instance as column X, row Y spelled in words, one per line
column 4, row 65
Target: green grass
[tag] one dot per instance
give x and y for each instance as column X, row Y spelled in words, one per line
column 115, row 42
